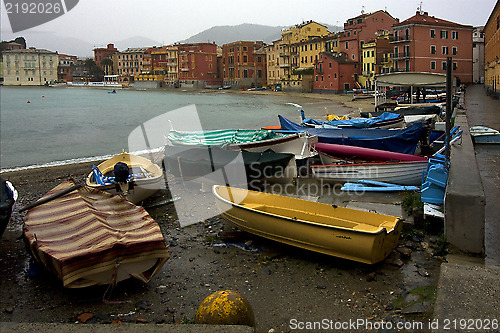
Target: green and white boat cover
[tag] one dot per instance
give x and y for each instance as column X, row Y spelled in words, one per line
column 221, row 138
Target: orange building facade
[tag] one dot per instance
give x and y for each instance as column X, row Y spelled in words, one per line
column 244, row 64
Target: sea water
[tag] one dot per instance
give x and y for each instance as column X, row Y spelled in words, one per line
column 50, row 126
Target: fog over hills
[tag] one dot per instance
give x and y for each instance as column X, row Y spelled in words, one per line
column 219, row 34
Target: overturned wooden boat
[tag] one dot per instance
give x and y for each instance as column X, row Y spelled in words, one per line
column 337, row 231
column 90, row 237
column 144, row 177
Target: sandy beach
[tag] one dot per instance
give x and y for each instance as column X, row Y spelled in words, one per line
column 284, row 285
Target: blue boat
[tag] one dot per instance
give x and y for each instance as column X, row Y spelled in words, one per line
column 396, row 140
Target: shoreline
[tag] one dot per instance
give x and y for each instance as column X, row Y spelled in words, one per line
column 315, row 106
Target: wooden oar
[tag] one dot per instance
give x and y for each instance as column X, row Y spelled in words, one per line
column 50, row 198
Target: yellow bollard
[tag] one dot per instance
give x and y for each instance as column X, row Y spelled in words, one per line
column 226, row 307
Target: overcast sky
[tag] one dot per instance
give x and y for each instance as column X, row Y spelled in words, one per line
column 167, row 21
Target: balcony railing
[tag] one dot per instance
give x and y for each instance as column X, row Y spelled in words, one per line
column 284, row 65
column 401, row 55
column 284, row 55
column 403, row 38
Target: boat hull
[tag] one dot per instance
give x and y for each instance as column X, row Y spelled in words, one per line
column 403, row 173
column 90, row 237
column 143, row 188
column 341, row 232
column 482, row 134
column 361, row 153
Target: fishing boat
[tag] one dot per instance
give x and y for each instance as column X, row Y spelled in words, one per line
column 134, row 177
column 396, row 172
column 361, row 153
column 385, row 120
column 483, row 134
column 87, row 237
column 214, row 165
column 8, row 197
column 299, row 144
column 337, row 231
column 396, row 140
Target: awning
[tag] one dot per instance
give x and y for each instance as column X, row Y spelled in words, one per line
column 411, row 79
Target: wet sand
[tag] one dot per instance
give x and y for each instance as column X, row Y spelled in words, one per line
column 283, row 284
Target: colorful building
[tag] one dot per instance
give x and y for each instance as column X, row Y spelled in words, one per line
column 422, row 43
column 66, row 67
column 492, row 51
column 244, row 64
column 198, row 65
column 131, row 62
column 362, row 29
column 334, row 73
column 276, row 62
column 101, row 53
column 374, row 58
column 301, row 46
column 29, row 67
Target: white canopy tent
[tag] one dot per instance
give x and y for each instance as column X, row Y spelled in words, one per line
column 407, row 79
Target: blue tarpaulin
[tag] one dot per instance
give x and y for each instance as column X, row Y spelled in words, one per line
column 397, row 140
column 357, row 122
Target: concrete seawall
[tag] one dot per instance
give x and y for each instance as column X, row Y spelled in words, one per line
column 465, row 199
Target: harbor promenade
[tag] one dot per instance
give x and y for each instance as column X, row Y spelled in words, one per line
column 469, row 286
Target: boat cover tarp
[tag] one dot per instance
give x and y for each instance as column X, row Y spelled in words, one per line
column 200, row 161
column 357, row 122
column 407, row 111
column 397, row 140
column 221, row 137
column 87, row 231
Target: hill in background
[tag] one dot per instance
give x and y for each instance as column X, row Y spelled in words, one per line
column 249, row 32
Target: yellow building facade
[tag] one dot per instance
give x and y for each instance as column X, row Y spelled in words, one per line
column 492, row 50
column 29, row 67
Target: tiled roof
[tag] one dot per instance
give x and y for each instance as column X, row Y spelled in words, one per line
column 425, row 19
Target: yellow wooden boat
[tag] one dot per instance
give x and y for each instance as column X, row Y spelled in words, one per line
column 146, row 177
column 337, row 231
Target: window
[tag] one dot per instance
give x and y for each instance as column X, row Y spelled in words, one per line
column 346, row 45
column 444, row 65
column 433, row 49
column 454, row 66
column 433, row 65
column 444, row 34
column 245, row 58
column 445, row 50
column 454, row 50
column 454, row 35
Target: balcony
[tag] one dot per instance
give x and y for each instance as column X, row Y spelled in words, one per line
column 404, row 38
column 403, row 55
column 284, row 65
column 284, row 55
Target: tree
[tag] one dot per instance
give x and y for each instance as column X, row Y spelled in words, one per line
column 95, row 72
column 107, row 64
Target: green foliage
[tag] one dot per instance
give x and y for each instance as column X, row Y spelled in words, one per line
column 412, row 201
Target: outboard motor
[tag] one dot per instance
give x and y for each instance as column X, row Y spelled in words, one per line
column 121, row 172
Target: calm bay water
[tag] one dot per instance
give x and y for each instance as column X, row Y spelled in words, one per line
column 65, row 125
